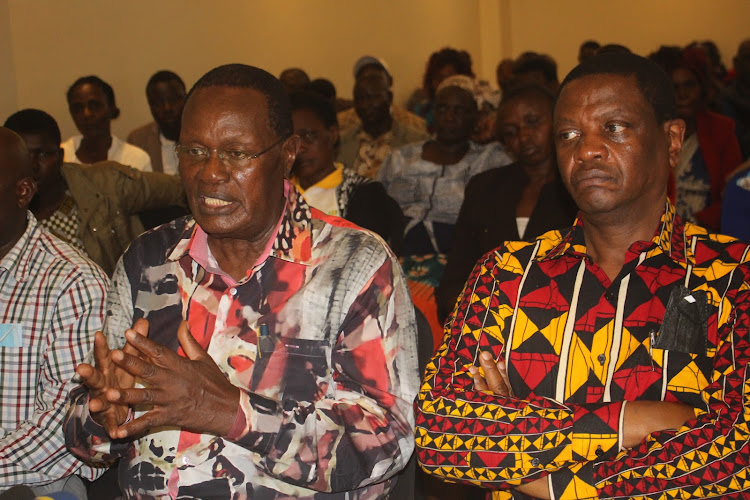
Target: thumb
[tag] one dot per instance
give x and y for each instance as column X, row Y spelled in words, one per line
column 192, row 349
column 141, row 327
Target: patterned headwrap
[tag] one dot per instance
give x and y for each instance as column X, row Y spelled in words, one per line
column 482, row 94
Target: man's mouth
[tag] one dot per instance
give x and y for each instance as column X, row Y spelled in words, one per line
column 215, row 202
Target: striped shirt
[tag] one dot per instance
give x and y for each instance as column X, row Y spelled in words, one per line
column 672, row 326
column 52, row 300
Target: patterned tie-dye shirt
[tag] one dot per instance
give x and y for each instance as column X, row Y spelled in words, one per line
column 321, row 339
column 672, row 326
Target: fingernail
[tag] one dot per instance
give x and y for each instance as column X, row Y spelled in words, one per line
column 115, row 394
column 486, row 356
column 130, row 334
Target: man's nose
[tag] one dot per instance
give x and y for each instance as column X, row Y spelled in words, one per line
column 214, row 169
column 590, row 147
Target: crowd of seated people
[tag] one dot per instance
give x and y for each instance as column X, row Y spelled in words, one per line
column 460, row 169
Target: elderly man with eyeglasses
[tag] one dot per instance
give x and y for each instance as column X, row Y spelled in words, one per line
column 259, row 349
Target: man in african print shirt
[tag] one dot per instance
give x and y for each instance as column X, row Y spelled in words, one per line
column 609, row 360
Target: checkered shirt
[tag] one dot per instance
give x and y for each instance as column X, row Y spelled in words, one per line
column 58, row 298
column 64, row 223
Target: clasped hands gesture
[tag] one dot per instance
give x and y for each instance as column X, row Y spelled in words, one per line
column 189, row 392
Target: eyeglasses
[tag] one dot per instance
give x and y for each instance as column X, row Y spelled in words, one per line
column 235, row 157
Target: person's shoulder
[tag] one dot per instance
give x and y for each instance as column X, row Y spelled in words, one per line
column 69, row 261
column 167, row 234
column 715, row 250
column 153, row 247
column 515, row 252
column 408, row 126
column 333, row 235
column 492, row 153
column 139, row 135
column 492, row 178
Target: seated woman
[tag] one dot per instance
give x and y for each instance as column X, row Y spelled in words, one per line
column 710, row 151
column 329, row 187
column 517, row 202
column 91, row 102
column 441, row 64
column 428, row 180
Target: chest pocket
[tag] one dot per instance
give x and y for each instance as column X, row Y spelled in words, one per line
column 291, row 369
column 683, row 337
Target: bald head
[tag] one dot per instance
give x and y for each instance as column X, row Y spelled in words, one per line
column 14, row 156
column 17, row 187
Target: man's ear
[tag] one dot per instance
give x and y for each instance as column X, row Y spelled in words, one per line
column 25, row 190
column 289, row 153
column 390, row 97
column 675, row 130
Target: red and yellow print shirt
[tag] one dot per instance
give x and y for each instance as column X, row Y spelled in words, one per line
column 578, row 346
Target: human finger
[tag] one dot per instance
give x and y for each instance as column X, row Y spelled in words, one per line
column 90, row 376
column 136, row 396
column 192, row 349
column 479, row 383
column 502, row 368
column 101, row 351
column 135, row 366
column 140, row 327
column 492, row 375
column 141, row 425
column 153, row 351
column 98, row 404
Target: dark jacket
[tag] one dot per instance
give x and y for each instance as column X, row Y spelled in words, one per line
column 488, row 218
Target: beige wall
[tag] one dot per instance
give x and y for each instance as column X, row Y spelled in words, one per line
column 558, row 28
column 46, row 44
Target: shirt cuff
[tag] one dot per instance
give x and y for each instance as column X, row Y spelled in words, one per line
column 240, row 426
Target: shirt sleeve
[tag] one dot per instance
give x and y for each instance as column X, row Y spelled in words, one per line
column 361, row 431
column 145, row 190
column 707, row 457
column 83, row 436
column 35, row 451
column 467, row 435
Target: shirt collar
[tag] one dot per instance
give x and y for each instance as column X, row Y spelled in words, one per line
column 18, row 260
column 292, row 240
column 669, row 237
column 330, row 181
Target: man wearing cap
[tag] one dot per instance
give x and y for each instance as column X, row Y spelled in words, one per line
column 375, row 126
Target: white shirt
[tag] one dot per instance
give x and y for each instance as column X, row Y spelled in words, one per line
column 169, row 159
column 119, row 151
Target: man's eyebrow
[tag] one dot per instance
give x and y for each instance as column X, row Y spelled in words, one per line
column 562, row 121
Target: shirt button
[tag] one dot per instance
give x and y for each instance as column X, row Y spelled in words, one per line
column 535, row 462
column 610, row 296
column 232, row 292
column 602, row 358
column 599, row 452
column 185, row 460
